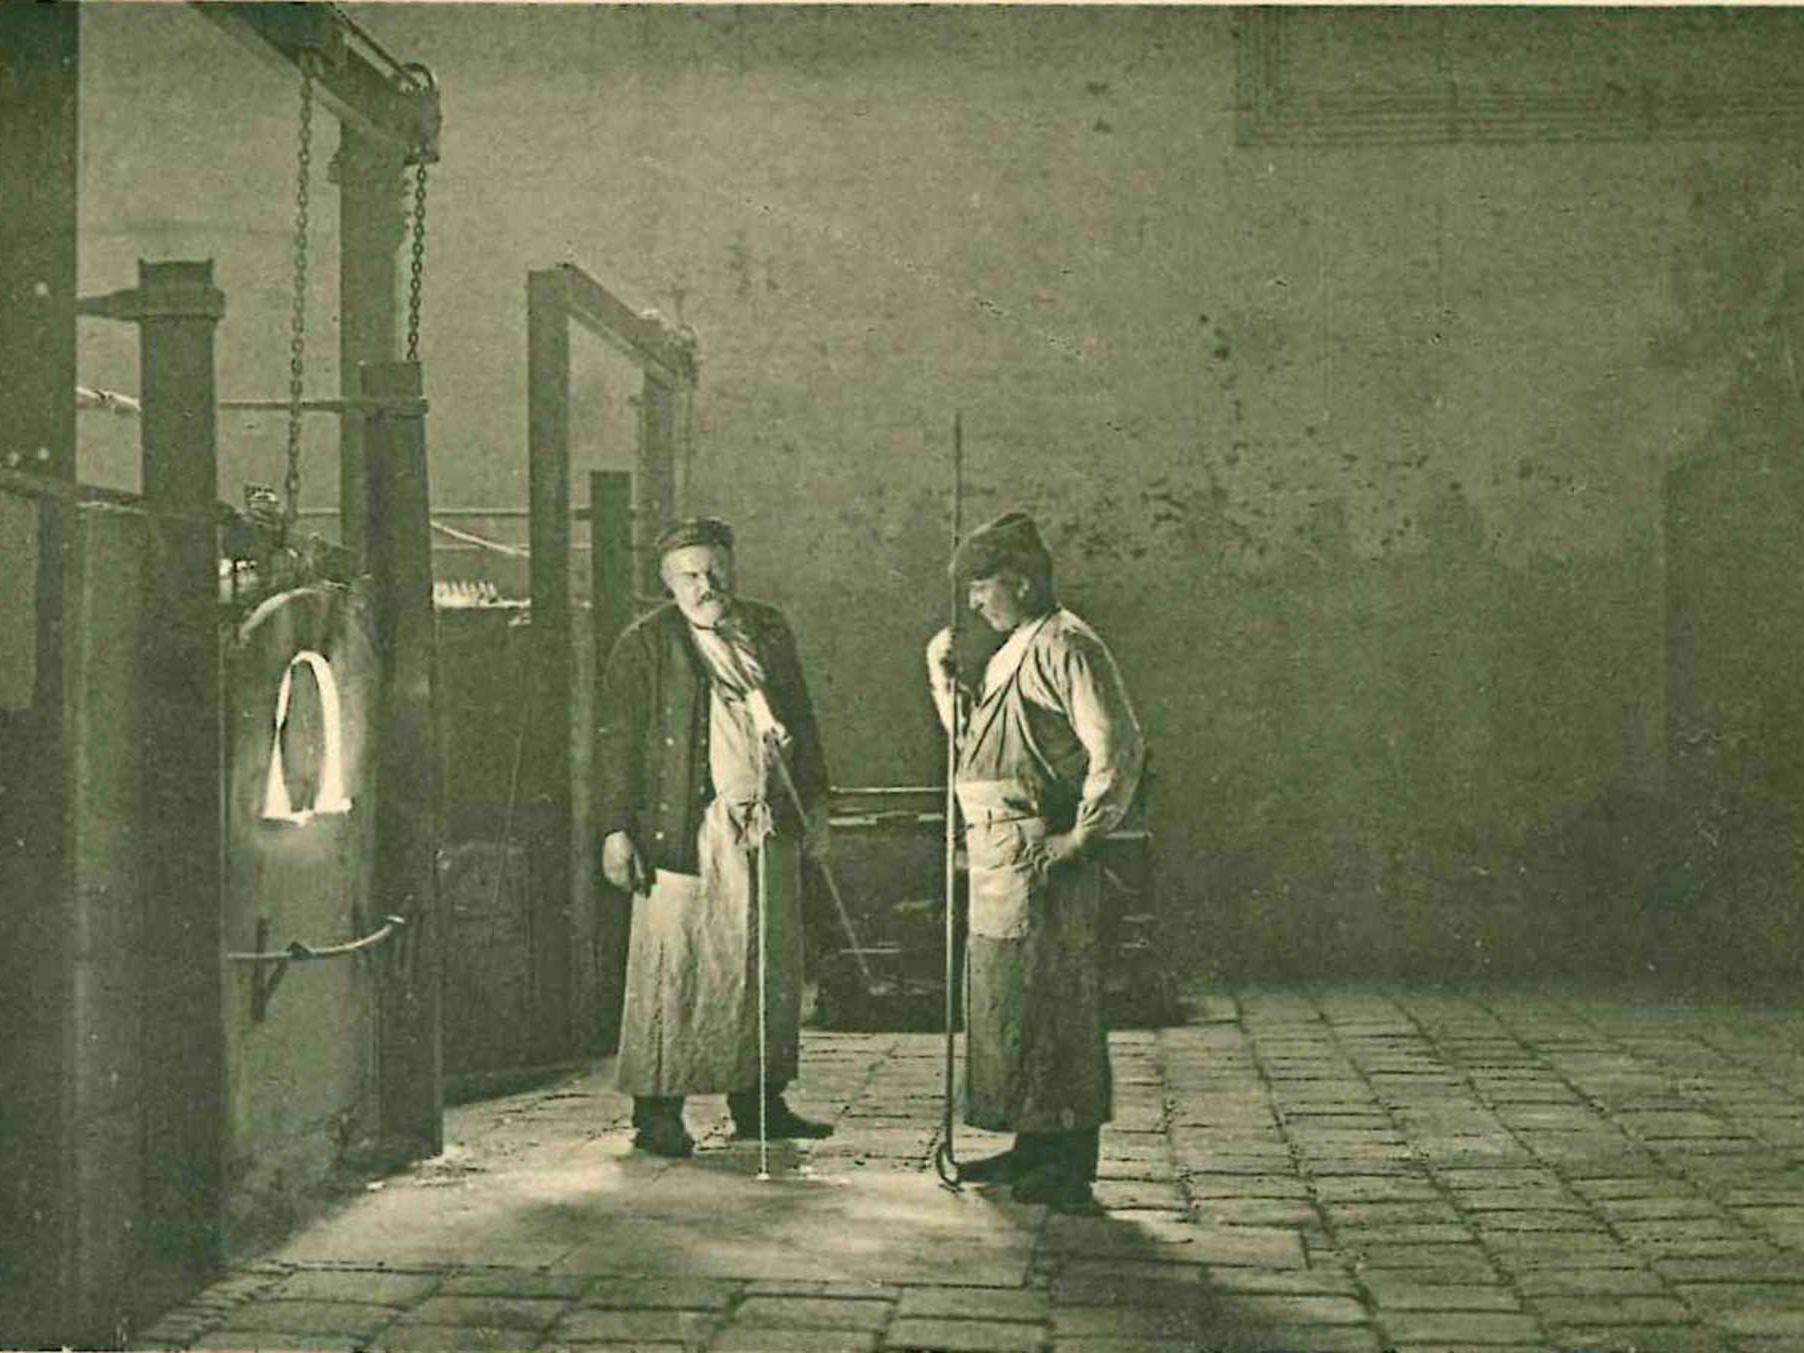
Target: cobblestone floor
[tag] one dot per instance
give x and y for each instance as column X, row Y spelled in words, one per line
column 1289, row 1171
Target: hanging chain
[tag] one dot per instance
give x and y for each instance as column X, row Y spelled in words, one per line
column 297, row 340
column 418, row 265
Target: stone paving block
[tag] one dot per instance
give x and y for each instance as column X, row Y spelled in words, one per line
column 1401, row 1163
column 1656, row 1207
column 596, row 1327
column 1703, row 1247
column 1403, row 1233
column 1172, row 1242
column 659, row 1294
column 1399, row 1158
column 1140, row 1193
column 1289, row 1309
column 1136, row 1146
column 1290, row 1339
column 1163, row 1171
column 1688, row 1228
column 1222, row 1163
column 1563, row 1221
column 1612, row 1310
column 974, row 1303
column 1322, row 1281
column 754, row 1339
column 1522, row 1250
column 1763, row 1268
column 1085, row 1343
column 1202, row 1184
column 1175, row 1324
column 326, row 1318
column 822, row 1313
column 254, row 1341
column 1715, row 1299
column 1156, row 1286
column 1464, row 1262
column 1638, row 1339
column 1600, row 1282
column 1644, row 1185
column 1254, row 1212
column 1364, row 1214
column 377, row 1288
column 519, row 1313
column 1499, row 1177
column 965, row 1336
column 833, row 1291
column 1766, row 1192
column 381, row 1288
column 1465, row 1327
column 1674, row 1126
column 404, row 1338
column 1348, row 1189
column 513, row 1282
column 1405, row 1291
column 1467, row 1152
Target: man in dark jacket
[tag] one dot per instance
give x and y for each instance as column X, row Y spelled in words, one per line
column 705, row 723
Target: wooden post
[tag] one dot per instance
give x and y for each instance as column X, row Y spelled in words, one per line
column 611, row 602
column 177, row 310
column 548, row 793
column 408, row 775
column 657, row 471
column 40, row 51
column 370, row 230
column 40, row 62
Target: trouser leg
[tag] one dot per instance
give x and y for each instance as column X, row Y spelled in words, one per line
column 1074, row 1153
column 649, row 1109
column 743, row 1104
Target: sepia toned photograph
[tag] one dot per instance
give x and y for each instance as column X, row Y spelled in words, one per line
column 901, row 678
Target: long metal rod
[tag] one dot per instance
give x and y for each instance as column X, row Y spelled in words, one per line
column 297, row 952
column 845, row 916
column 349, row 405
column 763, row 890
column 945, row 1160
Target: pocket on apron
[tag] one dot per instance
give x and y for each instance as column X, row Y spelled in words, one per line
column 1002, row 880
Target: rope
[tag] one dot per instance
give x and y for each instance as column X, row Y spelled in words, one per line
column 481, row 542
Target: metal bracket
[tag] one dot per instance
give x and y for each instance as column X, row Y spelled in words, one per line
column 177, row 291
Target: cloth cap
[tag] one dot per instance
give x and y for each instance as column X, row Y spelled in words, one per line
column 1010, row 542
column 694, row 531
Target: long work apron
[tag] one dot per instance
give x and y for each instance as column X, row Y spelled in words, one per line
column 1037, row 1057
column 690, row 1024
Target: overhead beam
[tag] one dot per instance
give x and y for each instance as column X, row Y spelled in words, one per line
column 358, row 93
column 666, row 355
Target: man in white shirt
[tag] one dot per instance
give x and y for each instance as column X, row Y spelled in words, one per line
column 1049, row 760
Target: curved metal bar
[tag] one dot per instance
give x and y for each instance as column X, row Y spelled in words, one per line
column 297, row 952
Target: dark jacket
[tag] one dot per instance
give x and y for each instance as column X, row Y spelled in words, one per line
column 651, row 740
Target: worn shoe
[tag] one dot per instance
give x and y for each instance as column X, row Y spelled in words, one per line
column 664, row 1137
column 1003, row 1168
column 782, row 1122
column 1058, row 1189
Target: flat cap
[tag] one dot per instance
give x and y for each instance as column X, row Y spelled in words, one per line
column 694, row 531
column 1010, row 541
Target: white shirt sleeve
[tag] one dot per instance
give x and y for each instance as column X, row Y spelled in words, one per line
column 939, row 680
column 1104, row 722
